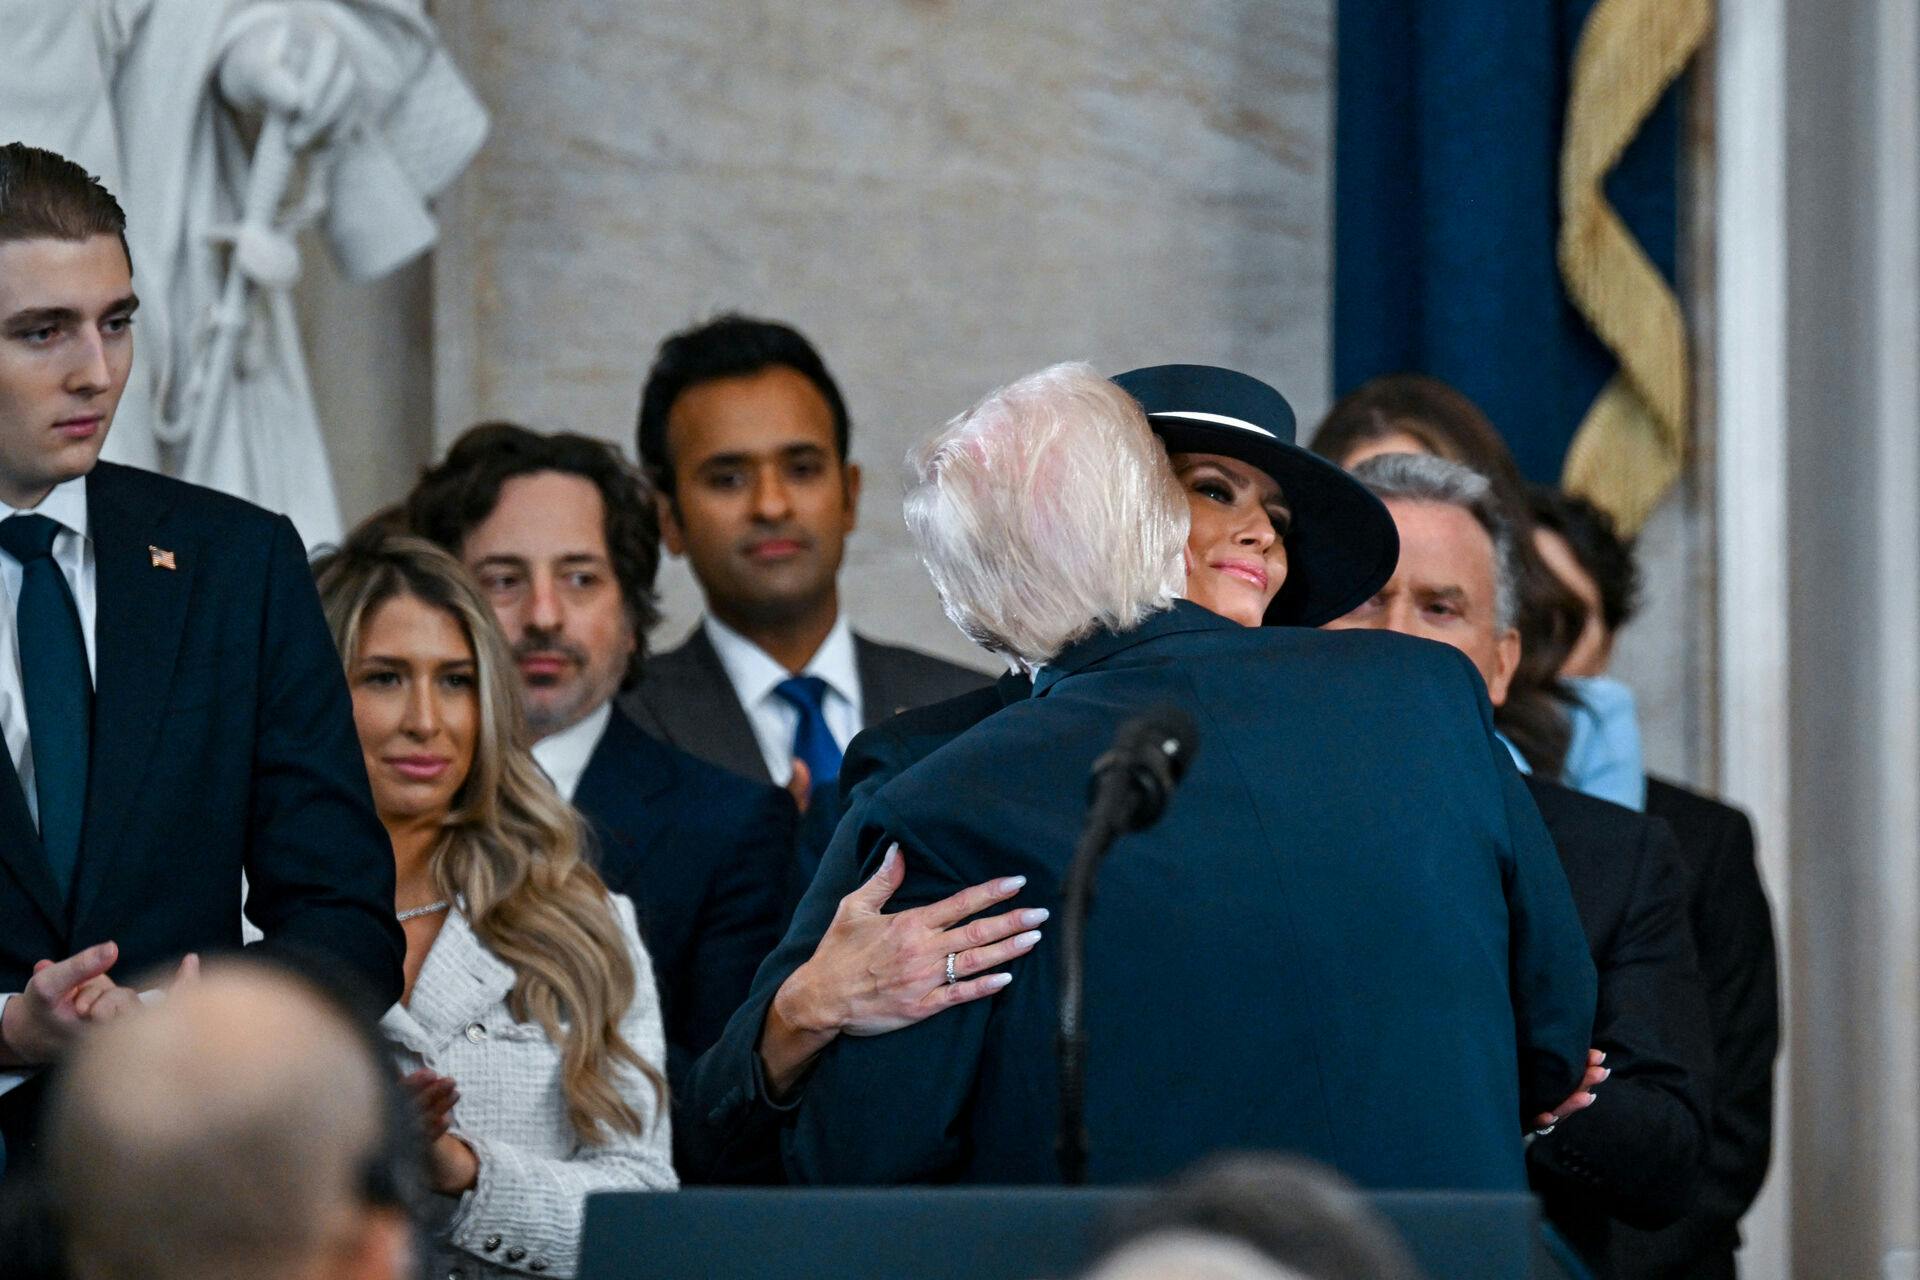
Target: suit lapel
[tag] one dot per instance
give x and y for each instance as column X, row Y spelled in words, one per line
column 21, row 853
column 622, row 780
column 139, row 613
column 460, row 983
column 690, row 695
column 876, row 690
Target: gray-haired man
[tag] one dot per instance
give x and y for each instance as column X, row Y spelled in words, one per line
column 1636, row 1155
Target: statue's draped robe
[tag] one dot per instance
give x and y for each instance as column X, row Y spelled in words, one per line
column 128, row 89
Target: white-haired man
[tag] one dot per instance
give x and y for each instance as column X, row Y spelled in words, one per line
column 1280, row 961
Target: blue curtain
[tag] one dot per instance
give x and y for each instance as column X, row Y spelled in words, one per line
column 1448, row 123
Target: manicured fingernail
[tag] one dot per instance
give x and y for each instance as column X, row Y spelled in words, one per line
column 1603, row 1055
column 997, row 981
column 1027, row 939
column 1034, row 915
column 893, row 853
column 1606, row 1073
column 1012, row 884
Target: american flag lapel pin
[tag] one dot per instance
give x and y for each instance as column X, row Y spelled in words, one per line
column 161, row 558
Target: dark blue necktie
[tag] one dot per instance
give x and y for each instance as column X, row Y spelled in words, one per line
column 59, row 691
column 812, row 741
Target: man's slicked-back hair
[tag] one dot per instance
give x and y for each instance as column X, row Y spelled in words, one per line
column 730, row 346
column 1423, row 478
column 455, row 497
column 1047, row 511
column 45, row 196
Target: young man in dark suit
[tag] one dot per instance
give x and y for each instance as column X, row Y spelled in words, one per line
column 174, row 711
column 1637, row 1159
column 560, row 534
column 744, row 434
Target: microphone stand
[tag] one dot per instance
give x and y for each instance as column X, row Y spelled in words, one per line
column 1103, row 827
column 1130, row 787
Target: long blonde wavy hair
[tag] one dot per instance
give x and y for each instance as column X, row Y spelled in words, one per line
column 512, row 851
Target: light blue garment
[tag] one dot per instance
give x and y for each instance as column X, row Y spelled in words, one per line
column 1603, row 758
column 1519, row 761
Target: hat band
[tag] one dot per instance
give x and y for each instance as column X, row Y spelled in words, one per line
column 1221, row 419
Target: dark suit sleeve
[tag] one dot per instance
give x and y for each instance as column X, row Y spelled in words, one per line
column 1733, row 931
column 1636, row 1153
column 739, row 924
column 319, row 864
column 1550, row 971
column 732, row 1125
column 885, row 1110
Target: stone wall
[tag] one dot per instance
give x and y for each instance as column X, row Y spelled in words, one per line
column 943, row 196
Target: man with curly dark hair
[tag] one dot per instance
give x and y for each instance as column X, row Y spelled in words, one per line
column 562, row 535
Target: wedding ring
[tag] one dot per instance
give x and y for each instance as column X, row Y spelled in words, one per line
column 952, row 977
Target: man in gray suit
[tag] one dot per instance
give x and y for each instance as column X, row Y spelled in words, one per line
column 744, row 434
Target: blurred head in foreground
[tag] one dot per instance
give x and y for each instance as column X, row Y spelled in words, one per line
column 1304, row 1219
column 1190, row 1255
column 244, row 1128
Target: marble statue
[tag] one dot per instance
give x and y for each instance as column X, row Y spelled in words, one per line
column 225, row 127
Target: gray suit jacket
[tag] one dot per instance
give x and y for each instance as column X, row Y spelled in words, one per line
column 684, row 697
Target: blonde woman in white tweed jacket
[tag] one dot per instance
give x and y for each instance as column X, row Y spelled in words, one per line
column 530, row 1021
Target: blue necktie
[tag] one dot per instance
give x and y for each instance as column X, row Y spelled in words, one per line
column 59, row 691
column 812, row 741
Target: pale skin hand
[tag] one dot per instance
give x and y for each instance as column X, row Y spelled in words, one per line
column 1581, row 1098
column 873, row 972
column 40, row 1023
column 452, row 1167
column 101, row 999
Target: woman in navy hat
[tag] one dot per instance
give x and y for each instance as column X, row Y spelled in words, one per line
column 1278, row 534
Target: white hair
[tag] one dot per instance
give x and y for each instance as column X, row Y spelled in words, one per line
column 1048, row 511
column 1190, row 1255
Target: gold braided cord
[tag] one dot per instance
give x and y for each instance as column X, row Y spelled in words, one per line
column 1632, row 443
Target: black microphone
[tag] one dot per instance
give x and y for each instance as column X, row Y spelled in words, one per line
column 1131, row 785
column 1149, row 756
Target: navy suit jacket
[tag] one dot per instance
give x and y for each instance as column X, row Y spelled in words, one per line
column 222, row 742
column 731, row 1127
column 704, row 856
column 1350, row 886
column 1636, row 1154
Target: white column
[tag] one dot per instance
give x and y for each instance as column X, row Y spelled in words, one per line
column 1750, row 343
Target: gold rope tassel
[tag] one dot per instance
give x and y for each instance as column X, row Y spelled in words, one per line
column 1630, row 448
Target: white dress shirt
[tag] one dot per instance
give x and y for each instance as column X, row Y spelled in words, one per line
column 564, row 755
column 73, row 552
column 755, row 676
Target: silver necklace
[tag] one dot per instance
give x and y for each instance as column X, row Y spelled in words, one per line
column 414, row 913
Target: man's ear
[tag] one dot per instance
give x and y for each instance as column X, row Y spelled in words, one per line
column 850, row 479
column 671, row 536
column 1506, row 662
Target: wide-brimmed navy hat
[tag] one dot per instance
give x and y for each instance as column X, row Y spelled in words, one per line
column 1343, row 544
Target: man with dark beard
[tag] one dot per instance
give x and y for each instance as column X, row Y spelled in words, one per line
column 561, row 535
